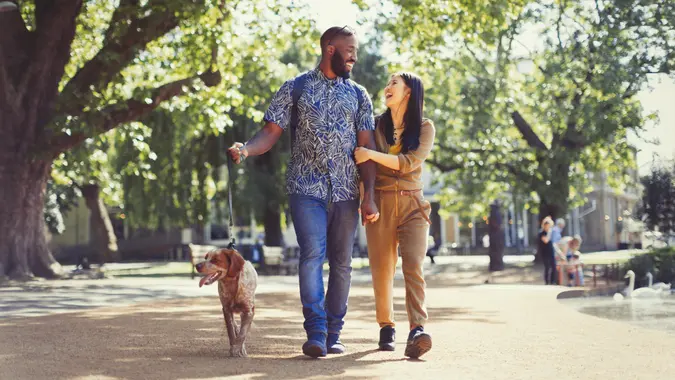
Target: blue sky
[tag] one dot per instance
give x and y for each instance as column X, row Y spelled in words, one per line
column 661, row 98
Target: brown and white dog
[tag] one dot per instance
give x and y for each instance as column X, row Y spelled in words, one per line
column 237, row 282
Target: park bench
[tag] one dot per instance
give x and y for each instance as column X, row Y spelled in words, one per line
column 275, row 260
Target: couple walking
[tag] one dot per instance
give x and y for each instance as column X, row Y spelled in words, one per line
column 342, row 154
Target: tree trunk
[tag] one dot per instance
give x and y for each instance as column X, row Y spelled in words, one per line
column 23, row 244
column 496, row 239
column 103, row 239
column 269, row 164
column 273, row 233
column 554, row 196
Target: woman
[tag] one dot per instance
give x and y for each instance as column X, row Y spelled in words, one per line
column 404, row 140
column 547, row 251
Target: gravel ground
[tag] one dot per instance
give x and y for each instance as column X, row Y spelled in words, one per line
column 495, row 331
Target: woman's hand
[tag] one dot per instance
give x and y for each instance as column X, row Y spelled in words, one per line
column 361, row 155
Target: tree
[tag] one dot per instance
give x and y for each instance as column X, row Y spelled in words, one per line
column 541, row 119
column 496, row 232
column 60, row 198
column 371, row 70
column 85, row 170
column 658, row 200
column 71, row 71
column 172, row 163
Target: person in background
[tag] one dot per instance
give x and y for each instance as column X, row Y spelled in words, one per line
column 546, row 250
column 557, row 230
column 568, row 255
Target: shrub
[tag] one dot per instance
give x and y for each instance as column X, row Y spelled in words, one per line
column 660, row 262
column 664, row 261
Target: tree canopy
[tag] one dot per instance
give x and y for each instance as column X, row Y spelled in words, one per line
column 658, row 199
column 533, row 97
column 71, row 71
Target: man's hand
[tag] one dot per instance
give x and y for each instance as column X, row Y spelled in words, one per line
column 236, row 153
column 369, row 211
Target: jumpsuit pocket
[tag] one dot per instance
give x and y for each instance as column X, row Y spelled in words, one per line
column 424, row 207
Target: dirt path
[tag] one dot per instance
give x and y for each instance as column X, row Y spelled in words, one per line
column 480, row 332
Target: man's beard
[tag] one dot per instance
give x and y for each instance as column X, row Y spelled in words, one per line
column 337, row 64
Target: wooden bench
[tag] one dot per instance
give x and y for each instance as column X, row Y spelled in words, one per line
column 276, row 261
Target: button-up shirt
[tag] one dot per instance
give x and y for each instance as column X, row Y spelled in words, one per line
column 322, row 160
column 556, row 234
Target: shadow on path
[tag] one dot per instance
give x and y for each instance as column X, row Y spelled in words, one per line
column 184, row 339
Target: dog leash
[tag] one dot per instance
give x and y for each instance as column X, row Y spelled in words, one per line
column 229, row 196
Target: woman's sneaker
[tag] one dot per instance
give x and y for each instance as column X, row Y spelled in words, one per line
column 419, row 343
column 387, row 339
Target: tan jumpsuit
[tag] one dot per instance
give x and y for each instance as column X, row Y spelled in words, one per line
column 404, row 222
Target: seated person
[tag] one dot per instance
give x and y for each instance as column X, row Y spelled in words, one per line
column 568, row 253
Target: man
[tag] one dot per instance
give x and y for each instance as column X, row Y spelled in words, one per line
column 556, row 232
column 334, row 115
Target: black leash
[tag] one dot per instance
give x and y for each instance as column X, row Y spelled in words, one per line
column 229, row 196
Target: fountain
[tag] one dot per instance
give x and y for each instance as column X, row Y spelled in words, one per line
column 651, row 307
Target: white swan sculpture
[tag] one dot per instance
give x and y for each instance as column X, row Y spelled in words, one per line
column 658, row 285
column 631, row 292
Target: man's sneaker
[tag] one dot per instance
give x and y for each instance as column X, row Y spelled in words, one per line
column 334, row 345
column 387, row 339
column 315, row 346
column 419, row 343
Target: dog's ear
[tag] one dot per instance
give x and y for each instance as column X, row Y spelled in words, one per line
column 236, row 262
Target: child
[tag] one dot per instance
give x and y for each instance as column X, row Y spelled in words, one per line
column 573, row 262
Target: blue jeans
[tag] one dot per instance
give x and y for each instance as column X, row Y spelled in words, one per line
column 324, row 231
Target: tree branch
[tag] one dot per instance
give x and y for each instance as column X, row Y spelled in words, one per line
column 108, row 118
column 557, row 26
column 445, row 168
column 528, row 133
column 515, row 171
column 480, row 62
column 126, row 10
column 124, row 42
column 47, row 50
column 456, row 150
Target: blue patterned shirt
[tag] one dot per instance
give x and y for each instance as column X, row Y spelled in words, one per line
column 322, row 160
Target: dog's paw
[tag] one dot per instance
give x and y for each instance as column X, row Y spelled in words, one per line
column 238, row 351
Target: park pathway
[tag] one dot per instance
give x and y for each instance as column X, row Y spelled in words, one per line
column 496, row 331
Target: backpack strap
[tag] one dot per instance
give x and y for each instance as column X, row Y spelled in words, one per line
column 298, row 87
column 359, row 96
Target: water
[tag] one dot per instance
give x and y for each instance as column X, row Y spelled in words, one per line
column 658, row 313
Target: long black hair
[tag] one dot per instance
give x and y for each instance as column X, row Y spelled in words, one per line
column 410, row 138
